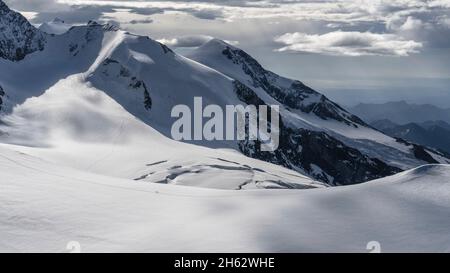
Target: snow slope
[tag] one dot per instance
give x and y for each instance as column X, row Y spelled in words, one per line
column 85, row 156
column 146, row 79
column 88, row 130
column 303, row 107
column 45, row 206
column 91, row 115
column 56, row 26
column 114, row 62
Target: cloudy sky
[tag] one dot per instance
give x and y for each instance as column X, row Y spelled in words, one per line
column 351, row 50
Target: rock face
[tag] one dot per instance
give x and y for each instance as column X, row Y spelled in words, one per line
column 317, row 136
column 420, row 152
column 317, row 154
column 113, row 71
column 147, row 79
column 2, row 94
column 56, row 27
column 293, row 94
column 93, row 31
column 18, row 37
column 322, row 157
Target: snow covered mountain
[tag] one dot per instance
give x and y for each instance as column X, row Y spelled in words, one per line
column 50, row 98
column 318, row 135
column 83, row 102
column 86, row 156
column 56, row 26
column 17, row 36
column 293, row 94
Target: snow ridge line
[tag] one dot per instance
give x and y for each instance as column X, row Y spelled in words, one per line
column 106, row 51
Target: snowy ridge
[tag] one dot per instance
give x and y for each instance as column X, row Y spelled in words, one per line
column 90, row 131
column 305, row 111
column 239, row 65
column 56, row 26
column 145, row 79
column 85, row 156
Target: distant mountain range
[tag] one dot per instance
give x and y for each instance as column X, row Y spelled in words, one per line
column 400, row 112
column 434, row 134
column 422, row 124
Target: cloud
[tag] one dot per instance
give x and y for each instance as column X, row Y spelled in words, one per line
column 74, row 14
column 444, row 21
column 33, row 5
column 186, row 41
column 145, row 11
column 143, row 21
column 416, row 20
column 79, row 12
column 207, row 14
column 350, row 43
column 191, row 41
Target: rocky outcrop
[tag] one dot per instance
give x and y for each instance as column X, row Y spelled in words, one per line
column 420, row 152
column 315, row 154
column 166, row 49
column 18, row 37
column 93, row 31
column 114, row 71
column 2, row 94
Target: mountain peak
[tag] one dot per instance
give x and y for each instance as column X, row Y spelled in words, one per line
column 58, row 20
column 105, row 26
column 218, row 43
column 215, row 46
column 56, row 26
column 238, row 64
column 18, row 37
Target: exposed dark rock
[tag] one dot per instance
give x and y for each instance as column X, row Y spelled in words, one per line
column 93, row 31
column 246, row 95
column 105, row 27
column 147, row 98
column 124, row 72
column 18, row 37
column 114, row 70
column 316, row 154
column 320, row 156
column 166, row 49
column 73, row 48
column 2, row 94
column 420, row 152
column 109, row 61
column 296, row 96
